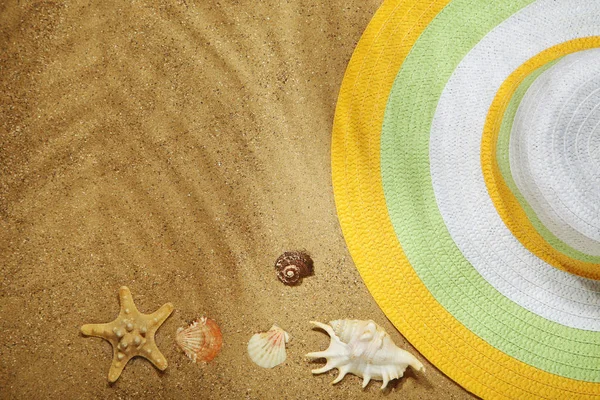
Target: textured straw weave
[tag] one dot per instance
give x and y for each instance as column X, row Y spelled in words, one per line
column 466, row 174
column 554, row 153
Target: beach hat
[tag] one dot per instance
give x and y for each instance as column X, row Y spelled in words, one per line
column 466, row 173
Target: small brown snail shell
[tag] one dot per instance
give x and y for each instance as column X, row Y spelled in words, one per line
column 292, row 266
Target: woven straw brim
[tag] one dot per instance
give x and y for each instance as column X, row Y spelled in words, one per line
column 445, row 241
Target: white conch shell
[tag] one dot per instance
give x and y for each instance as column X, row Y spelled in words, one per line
column 363, row 348
column 267, row 349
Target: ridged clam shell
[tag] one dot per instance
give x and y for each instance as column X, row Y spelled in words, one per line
column 201, row 341
column 267, row 349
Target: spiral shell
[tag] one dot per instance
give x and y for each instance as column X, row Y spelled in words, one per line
column 201, row 341
column 292, row 266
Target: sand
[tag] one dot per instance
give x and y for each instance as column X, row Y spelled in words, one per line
column 178, row 148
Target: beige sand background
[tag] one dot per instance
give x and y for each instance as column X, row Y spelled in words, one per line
column 176, row 147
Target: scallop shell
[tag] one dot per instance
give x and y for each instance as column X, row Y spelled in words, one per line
column 292, row 266
column 267, row 349
column 363, row 348
column 201, row 341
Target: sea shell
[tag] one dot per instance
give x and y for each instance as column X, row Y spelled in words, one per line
column 363, row 348
column 292, row 266
column 201, row 341
column 267, row 349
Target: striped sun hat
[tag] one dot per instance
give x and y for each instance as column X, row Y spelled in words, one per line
column 466, row 171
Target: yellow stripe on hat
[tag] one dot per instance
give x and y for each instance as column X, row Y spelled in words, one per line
column 505, row 202
column 370, row 236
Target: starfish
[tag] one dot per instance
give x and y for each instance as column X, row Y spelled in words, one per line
column 131, row 334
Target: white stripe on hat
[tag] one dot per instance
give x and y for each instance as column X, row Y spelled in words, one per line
column 458, row 181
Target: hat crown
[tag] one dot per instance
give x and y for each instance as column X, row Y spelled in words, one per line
column 555, row 150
